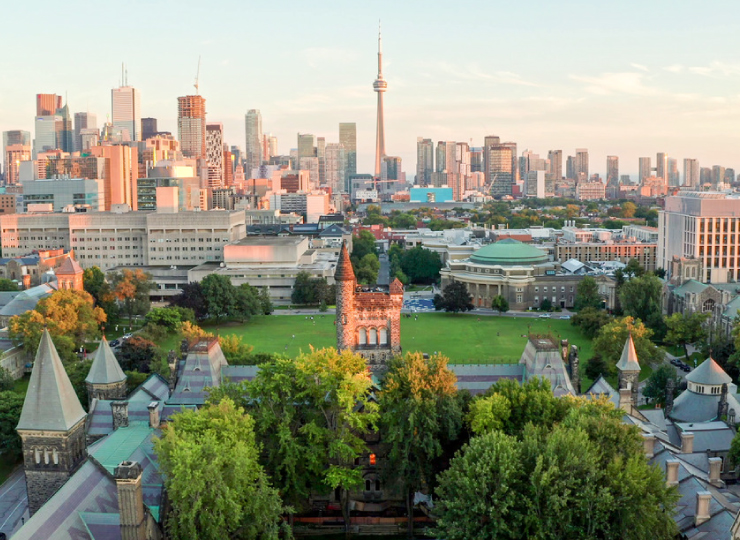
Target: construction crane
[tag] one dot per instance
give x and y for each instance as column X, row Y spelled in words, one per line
column 197, row 76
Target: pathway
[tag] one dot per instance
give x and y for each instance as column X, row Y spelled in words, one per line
column 13, row 502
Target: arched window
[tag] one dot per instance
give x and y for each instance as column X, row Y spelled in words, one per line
column 384, row 336
column 37, row 455
column 373, row 336
column 377, row 485
column 46, row 456
column 367, row 485
column 708, row 305
column 363, row 336
column 55, row 456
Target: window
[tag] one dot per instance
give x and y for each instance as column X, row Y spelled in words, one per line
column 519, row 298
column 373, row 336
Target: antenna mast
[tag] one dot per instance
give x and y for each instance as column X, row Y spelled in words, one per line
column 197, row 76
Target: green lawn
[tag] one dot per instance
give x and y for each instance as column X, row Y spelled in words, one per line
column 463, row 338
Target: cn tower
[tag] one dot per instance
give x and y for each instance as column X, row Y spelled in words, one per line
column 380, row 86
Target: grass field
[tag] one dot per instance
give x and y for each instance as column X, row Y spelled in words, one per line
column 462, row 338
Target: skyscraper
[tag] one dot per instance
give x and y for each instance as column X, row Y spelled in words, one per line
column 16, row 148
column 191, row 126
column 488, row 142
column 691, row 172
column 570, row 168
column 348, row 139
column 446, row 153
column 672, row 172
column 514, row 161
column 66, row 140
column 47, row 133
column 645, row 169
column 556, row 163
column 48, row 104
column 126, row 110
column 253, row 150
column 424, row 161
column 306, row 146
column 148, row 128
column 83, row 120
column 336, row 172
column 380, row 86
column 321, row 156
column 215, row 154
column 501, row 170
column 581, row 163
column 612, row 170
column 661, row 166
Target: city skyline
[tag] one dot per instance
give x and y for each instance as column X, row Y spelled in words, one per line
column 651, row 90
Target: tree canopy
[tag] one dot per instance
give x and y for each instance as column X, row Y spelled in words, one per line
column 421, row 265
column 611, row 339
column 587, row 295
column 500, row 304
column 455, row 297
column 590, row 320
column 657, row 384
column 640, row 298
column 131, row 288
column 686, row 328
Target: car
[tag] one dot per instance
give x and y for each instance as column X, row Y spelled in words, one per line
column 685, row 368
column 676, row 362
column 127, row 336
column 545, row 316
column 565, row 317
column 115, row 343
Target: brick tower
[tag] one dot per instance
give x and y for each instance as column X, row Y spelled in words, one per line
column 629, row 368
column 368, row 317
column 106, row 379
column 69, row 275
column 51, row 427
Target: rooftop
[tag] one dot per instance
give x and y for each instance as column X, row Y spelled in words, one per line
column 509, row 252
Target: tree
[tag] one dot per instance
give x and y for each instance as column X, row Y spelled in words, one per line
column 612, row 337
column 596, row 366
column 455, row 297
column 500, row 304
column 309, row 290
column 634, row 269
column 362, row 244
column 247, row 302
column 11, row 404
column 590, row 321
column 686, row 328
column 131, row 288
column 93, row 281
column 215, row 484
column 546, row 304
column 419, row 413
column 8, row 285
column 641, row 299
column 6, row 381
column 77, row 372
column 70, row 316
column 138, row 353
column 655, row 387
column 266, row 301
column 628, row 209
column 367, row 269
column 167, row 317
column 192, row 297
column 220, row 295
column 585, row 477
column 587, row 295
column 421, row 265
column 236, row 352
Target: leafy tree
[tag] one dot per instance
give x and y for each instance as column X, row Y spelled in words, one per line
column 6, row 381
column 628, row 209
column 403, row 221
column 546, row 304
column 11, row 404
column 619, row 281
column 500, row 304
column 266, row 301
column 587, row 295
column 168, row 317
column 192, row 297
column 131, row 288
column 93, row 281
column 655, row 387
column 596, row 366
column 310, row 290
column 634, row 269
column 734, row 454
column 421, row 265
column 220, row 295
column 134, row 379
column 362, row 244
column 419, row 413
column 237, row 352
column 590, row 321
column 137, row 353
column 686, row 328
column 8, row 285
column 641, row 299
column 367, row 269
column 70, row 316
column 585, row 477
column 77, row 371
column 247, row 302
column 612, row 337
column 210, row 461
column 455, row 297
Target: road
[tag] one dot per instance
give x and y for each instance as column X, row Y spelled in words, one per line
column 13, row 503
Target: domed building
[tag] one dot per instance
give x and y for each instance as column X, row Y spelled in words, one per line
column 521, row 273
column 710, row 395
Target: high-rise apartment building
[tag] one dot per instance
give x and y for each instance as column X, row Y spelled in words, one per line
column 348, row 139
column 48, row 132
column 581, row 163
column 122, row 173
column 672, row 172
column 126, row 110
column 48, row 104
column 321, row 156
column 148, row 128
column 446, row 153
column 612, row 170
column 645, row 169
column 83, row 120
column 691, row 172
column 501, row 173
column 556, row 163
column 514, row 161
column 21, row 142
column 336, row 167
column 661, row 166
column 66, row 142
column 424, row 161
column 488, row 142
column 705, row 175
column 718, row 175
column 462, row 159
column 191, row 126
column 253, row 154
column 570, row 168
column 306, row 146
column 215, row 154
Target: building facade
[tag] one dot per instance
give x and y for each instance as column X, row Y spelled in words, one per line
column 191, row 126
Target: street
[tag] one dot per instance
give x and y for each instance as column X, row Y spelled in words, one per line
column 13, row 502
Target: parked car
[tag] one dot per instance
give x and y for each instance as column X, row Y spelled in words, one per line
column 545, row 316
column 685, row 368
column 115, row 343
column 676, row 362
column 126, row 336
column 565, row 317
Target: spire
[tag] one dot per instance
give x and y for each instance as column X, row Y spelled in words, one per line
column 51, row 403
column 344, row 271
column 105, row 368
column 380, row 52
column 628, row 361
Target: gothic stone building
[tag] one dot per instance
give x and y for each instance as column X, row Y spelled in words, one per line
column 368, row 317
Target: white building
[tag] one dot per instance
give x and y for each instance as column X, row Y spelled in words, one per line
column 126, row 110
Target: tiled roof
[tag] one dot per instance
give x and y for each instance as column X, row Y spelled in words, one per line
column 69, row 267
column 105, row 368
column 710, row 373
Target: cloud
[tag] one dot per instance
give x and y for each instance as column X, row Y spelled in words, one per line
column 617, row 83
column 473, row 72
column 716, row 69
column 674, row 68
column 640, row 67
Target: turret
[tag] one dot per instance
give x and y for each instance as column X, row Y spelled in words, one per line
column 106, row 379
column 51, row 427
column 629, row 368
column 345, row 284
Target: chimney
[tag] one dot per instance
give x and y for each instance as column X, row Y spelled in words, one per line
column 26, row 281
column 153, row 414
column 671, row 472
column 648, row 444
column 687, row 442
column 702, row 507
column 715, row 468
column 120, row 413
column 625, row 399
column 130, row 500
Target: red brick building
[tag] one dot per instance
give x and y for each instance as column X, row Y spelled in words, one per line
column 368, row 316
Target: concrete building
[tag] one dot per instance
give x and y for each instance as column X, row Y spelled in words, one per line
column 62, row 193
column 621, row 251
column 500, row 160
column 348, row 139
column 253, row 151
column 122, row 172
column 645, row 169
column 336, row 167
column 703, row 226
column 590, row 191
column 14, row 154
column 215, row 154
column 47, row 133
column 126, row 110
column 309, row 205
column 191, row 126
column 424, row 161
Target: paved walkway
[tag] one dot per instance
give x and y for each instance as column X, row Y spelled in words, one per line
column 13, row 503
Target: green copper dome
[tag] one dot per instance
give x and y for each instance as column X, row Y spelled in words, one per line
column 509, row 252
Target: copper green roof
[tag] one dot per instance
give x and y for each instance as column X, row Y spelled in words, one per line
column 509, row 252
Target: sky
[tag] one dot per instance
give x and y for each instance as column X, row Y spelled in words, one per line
column 621, row 78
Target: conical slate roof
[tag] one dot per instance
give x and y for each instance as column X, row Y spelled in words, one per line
column 51, row 403
column 105, row 368
column 628, row 361
column 709, row 373
column 344, row 270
